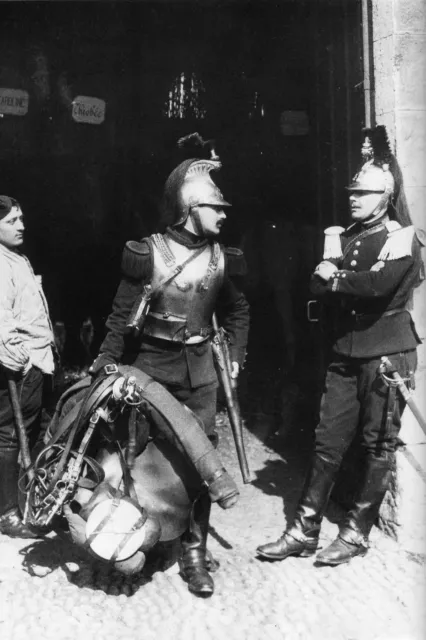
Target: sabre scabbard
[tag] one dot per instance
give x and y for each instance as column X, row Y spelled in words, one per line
column 140, row 311
column 221, row 353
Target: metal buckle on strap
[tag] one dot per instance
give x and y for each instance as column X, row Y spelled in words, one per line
column 110, row 368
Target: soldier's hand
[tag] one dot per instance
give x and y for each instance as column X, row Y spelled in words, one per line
column 235, row 370
column 325, row 270
column 97, row 368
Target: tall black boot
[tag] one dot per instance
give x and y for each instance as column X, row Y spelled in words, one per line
column 10, row 517
column 353, row 535
column 194, row 547
column 301, row 539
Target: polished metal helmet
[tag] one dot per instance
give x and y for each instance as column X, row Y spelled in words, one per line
column 190, row 185
column 198, row 189
column 381, row 173
column 375, row 174
column 373, row 178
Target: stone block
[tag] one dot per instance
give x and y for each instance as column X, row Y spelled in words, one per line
column 385, row 99
column 383, row 55
column 410, row 70
column 411, row 146
column 410, row 16
column 383, row 20
column 416, row 200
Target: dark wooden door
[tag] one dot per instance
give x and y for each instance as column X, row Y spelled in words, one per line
column 279, row 85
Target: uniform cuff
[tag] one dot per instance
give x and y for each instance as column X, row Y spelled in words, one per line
column 334, row 282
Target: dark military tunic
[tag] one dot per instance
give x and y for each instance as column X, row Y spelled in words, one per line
column 378, row 267
column 187, row 370
column 372, row 288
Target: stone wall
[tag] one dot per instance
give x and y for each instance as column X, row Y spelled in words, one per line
column 399, row 48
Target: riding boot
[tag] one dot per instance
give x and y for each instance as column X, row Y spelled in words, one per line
column 194, row 548
column 353, row 535
column 10, row 518
column 301, row 539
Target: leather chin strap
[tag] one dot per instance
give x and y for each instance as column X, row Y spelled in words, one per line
column 198, row 226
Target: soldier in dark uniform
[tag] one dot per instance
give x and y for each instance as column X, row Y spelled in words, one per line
column 174, row 347
column 368, row 273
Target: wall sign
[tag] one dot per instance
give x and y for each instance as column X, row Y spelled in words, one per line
column 14, row 102
column 294, row 123
column 88, row 110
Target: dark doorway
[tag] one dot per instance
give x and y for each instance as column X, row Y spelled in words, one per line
column 278, row 85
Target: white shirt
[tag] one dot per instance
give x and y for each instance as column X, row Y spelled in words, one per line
column 26, row 335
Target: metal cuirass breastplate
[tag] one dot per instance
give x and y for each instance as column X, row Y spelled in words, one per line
column 184, row 307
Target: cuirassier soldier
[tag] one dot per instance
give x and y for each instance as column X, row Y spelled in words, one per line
column 174, row 345
column 368, row 274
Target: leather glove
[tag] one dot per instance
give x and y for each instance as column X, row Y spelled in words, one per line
column 97, row 368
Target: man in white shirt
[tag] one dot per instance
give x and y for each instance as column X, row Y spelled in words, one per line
column 26, row 353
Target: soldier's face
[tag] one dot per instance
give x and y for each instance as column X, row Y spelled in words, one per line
column 364, row 204
column 206, row 220
column 12, row 229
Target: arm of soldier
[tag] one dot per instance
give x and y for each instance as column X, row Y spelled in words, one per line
column 380, row 281
column 318, row 284
column 233, row 308
column 330, row 263
column 135, row 271
column 399, row 255
column 13, row 355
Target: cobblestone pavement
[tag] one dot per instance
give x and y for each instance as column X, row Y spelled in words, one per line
column 47, row 590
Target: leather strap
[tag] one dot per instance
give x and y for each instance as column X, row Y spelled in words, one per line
column 177, row 270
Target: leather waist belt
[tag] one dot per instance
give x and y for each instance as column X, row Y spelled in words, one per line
column 174, row 345
column 172, row 328
column 375, row 316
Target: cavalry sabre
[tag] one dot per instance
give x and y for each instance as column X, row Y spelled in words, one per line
column 221, row 353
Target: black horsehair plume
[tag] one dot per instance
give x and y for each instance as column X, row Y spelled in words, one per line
column 194, row 143
column 379, row 141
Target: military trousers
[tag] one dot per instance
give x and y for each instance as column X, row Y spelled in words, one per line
column 30, row 393
column 169, row 367
column 355, row 402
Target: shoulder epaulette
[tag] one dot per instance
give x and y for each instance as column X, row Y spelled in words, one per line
column 332, row 243
column 237, row 265
column 392, row 225
column 136, row 258
column 399, row 242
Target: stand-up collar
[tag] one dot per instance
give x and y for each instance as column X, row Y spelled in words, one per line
column 372, row 223
column 185, row 237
